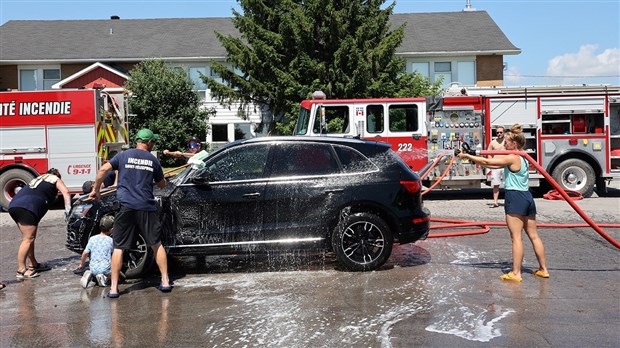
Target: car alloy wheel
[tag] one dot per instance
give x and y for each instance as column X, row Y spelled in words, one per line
column 137, row 260
column 362, row 242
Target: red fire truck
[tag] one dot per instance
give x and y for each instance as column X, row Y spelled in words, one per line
column 573, row 132
column 70, row 130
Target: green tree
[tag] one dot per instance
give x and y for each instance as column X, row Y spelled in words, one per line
column 164, row 101
column 290, row 48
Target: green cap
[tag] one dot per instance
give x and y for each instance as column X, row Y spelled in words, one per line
column 146, row 135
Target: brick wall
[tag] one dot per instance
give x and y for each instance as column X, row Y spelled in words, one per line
column 490, row 70
column 8, row 77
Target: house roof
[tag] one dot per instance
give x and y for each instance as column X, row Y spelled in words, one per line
column 466, row 32
column 47, row 41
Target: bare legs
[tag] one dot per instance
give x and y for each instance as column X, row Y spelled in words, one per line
column 539, row 248
column 117, row 263
column 516, row 224
column 26, row 247
column 496, row 195
column 160, row 258
column 162, row 262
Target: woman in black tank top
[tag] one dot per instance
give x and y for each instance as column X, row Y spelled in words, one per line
column 27, row 208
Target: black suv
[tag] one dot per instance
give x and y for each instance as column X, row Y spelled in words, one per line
column 353, row 197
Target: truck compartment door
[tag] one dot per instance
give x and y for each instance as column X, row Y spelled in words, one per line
column 22, row 140
column 73, row 152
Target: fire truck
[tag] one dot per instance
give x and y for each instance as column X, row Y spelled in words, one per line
column 73, row 131
column 572, row 131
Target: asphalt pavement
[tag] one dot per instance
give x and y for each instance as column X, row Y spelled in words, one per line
column 441, row 292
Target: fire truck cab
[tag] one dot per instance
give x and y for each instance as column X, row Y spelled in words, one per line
column 398, row 121
column 573, row 132
column 73, row 131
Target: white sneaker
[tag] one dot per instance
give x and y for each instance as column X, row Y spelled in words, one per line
column 87, row 280
column 102, row 280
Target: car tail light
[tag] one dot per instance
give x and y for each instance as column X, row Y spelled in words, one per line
column 422, row 219
column 412, row 186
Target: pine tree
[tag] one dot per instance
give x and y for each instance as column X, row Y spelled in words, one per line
column 290, row 48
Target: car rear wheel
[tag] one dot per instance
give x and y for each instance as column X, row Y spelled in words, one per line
column 362, row 242
column 137, row 260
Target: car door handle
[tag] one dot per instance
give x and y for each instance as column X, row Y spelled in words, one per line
column 251, row 195
column 334, row 191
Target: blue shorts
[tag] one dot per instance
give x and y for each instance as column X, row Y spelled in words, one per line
column 519, row 203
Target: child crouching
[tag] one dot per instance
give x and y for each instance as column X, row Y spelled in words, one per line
column 99, row 250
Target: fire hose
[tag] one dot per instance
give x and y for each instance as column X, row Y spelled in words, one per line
column 485, row 225
column 555, row 195
column 438, row 180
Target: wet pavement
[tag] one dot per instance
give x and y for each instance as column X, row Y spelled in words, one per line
column 442, row 292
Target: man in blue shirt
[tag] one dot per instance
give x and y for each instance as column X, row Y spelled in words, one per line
column 137, row 170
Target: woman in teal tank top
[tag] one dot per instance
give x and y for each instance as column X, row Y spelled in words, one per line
column 519, row 204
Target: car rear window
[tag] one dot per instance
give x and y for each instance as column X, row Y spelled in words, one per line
column 353, row 161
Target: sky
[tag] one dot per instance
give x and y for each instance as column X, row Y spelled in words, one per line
column 565, row 42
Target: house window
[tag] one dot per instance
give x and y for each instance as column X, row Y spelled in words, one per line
column 243, row 131
column 466, row 72
column 50, row 78
column 422, row 68
column 27, row 80
column 38, row 79
column 443, row 69
column 463, row 72
column 195, row 73
column 217, row 76
column 219, row 132
column 214, row 74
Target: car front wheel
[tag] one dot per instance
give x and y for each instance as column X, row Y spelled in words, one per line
column 362, row 242
column 137, row 260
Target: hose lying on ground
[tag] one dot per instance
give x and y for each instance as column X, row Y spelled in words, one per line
column 555, row 195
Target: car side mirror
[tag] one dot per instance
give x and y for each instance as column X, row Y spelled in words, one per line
column 202, row 177
column 199, row 181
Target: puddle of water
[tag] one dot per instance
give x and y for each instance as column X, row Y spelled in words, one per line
column 331, row 308
column 316, row 316
column 469, row 321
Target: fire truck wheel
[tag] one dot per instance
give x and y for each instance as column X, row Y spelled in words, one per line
column 362, row 242
column 575, row 175
column 11, row 182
